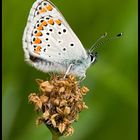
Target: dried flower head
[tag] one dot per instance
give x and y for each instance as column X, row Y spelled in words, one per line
column 60, row 100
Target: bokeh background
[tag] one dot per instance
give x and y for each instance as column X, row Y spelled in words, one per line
column 112, row 100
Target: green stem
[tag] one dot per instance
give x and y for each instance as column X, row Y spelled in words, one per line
column 55, row 136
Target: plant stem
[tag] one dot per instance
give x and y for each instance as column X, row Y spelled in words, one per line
column 55, row 136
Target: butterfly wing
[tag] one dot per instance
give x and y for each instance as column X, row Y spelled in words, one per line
column 49, row 37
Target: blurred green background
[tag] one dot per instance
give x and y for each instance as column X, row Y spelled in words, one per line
column 112, row 100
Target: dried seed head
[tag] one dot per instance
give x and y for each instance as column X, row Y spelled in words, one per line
column 56, row 102
column 39, row 120
column 59, row 111
column 46, row 115
column 34, row 99
column 53, row 120
column 61, row 127
column 46, row 86
column 44, row 99
column 39, row 81
column 61, row 101
column 67, row 110
column 84, row 105
column 62, row 89
column 84, row 90
column 70, row 131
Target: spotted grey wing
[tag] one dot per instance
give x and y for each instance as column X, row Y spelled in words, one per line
column 62, row 39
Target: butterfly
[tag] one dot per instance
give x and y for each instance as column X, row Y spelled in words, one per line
column 50, row 45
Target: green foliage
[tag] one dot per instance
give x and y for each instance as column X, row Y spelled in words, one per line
column 112, row 100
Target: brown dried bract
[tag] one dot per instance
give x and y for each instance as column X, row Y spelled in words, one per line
column 61, row 101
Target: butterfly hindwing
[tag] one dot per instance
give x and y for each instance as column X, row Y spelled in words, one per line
column 39, row 7
column 43, row 6
column 48, row 36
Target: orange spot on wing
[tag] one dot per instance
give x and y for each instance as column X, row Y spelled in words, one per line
column 49, row 7
column 38, row 50
column 58, row 22
column 42, row 10
column 38, row 34
column 44, row 23
column 40, row 27
column 51, row 21
column 37, row 41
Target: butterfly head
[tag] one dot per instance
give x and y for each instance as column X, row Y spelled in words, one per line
column 92, row 54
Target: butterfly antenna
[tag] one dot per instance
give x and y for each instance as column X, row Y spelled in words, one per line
column 103, row 36
column 103, row 42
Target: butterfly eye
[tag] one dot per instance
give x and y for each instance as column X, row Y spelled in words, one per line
column 93, row 57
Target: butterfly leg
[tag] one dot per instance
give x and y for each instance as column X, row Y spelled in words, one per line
column 81, row 79
column 49, row 73
column 67, row 71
